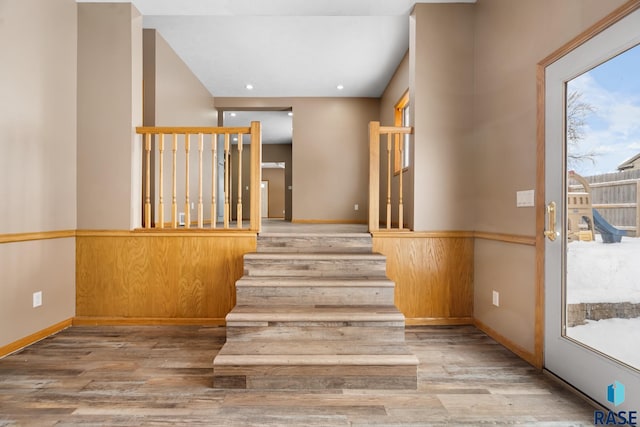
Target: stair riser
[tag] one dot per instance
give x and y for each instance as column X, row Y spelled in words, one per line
column 314, row 244
column 305, row 295
column 381, row 332
column 316, row 377
column 314, row 268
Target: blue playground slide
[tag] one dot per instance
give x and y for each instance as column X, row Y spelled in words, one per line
column 609, row 233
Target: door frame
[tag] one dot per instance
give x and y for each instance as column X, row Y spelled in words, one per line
column 540, row 197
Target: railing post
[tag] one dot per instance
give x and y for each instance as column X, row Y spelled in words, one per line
column 187, row 204
column 374, row 176
column 200, row 205
column 256, row 176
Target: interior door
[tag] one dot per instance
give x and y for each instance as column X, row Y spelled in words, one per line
column 575, row 239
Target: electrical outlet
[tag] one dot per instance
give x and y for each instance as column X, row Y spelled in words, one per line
column 37, row 299
column 356, row 207
column 496, row 298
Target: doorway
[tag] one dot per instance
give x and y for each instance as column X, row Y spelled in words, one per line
column 590, row 290
column 277, row 153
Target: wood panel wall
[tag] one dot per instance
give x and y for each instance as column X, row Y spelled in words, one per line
column 433, row 276
column 191, row 278
column 158, row 276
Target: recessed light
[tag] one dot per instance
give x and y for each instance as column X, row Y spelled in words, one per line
column 290, row 113
column 232, row 114
column 248, row 86
column 235, row 138
column 340, row 87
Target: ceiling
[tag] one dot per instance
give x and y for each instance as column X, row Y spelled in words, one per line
column 286, row 48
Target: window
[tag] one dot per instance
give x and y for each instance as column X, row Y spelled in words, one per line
column 401, row 148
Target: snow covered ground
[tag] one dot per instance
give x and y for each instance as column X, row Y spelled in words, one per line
column 598, row 272
column 619, row 338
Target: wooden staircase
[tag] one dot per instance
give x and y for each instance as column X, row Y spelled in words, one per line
column 315, row 311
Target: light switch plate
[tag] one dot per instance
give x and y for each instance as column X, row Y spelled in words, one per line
column 525, row 198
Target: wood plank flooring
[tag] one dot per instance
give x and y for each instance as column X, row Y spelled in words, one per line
column 161, row 375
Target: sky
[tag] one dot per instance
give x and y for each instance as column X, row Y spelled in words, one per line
column 612, row 130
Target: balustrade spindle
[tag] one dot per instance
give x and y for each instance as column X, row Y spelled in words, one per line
column 161, row 182
column 187, row 215
column 389, row 174
column 147, row 197
column 200, row 208
column 226, row 181
column 174, row 204
column 239, row 207
column 400, row 142
column 214, row 164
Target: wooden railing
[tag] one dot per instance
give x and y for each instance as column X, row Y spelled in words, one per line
column 217, row 145
column 394, row 144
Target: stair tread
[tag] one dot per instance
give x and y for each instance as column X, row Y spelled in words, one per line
column 315, row 359
column 316, row 235
column 300, row 313
column 318, row 347
column 300, row 281
column 340, row 256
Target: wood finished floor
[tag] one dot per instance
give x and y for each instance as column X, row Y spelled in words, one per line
column 161, row 375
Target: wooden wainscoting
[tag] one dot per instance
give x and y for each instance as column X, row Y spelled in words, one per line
column 433, row 273
column 123, row 276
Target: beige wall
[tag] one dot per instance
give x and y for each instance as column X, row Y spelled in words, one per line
column 330, row 153
column 109, row 109
column 511, row 38
column 41, row 265
column 441, row 53
column 396, row 88
column 37, row 116
column 181, row 99
column 38, row 162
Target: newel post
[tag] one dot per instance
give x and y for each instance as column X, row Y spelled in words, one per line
column 256, row 175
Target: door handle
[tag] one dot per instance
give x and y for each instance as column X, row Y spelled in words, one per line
column 551, row 233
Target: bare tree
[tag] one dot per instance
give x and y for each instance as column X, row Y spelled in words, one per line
column 577, row 112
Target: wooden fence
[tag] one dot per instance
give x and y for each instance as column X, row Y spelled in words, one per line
column 615, row 196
